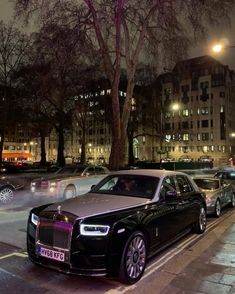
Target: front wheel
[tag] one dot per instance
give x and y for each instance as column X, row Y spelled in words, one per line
column 200, row 225
column 133, row 259
column 232, row 203
column 6, row 195
column 217, row 211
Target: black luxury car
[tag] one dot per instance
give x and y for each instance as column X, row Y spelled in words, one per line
column 115, row 228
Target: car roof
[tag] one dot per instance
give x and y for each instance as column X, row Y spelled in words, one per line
column 205, row 178
column 149, row 172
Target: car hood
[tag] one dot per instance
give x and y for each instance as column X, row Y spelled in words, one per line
column 93, row 204
column 55, row 177
column 210, row 194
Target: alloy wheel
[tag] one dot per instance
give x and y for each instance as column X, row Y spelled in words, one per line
column 202, row 219
column 136, row 257
column 217, row 208
column 6, row 195
column 233, row 200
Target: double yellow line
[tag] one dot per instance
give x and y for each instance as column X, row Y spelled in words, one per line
column 24, row 254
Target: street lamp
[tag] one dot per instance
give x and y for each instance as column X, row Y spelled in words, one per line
column 219, row 47
column 175, row 106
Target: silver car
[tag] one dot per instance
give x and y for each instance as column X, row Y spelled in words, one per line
column 219, row 193
column 69, row 181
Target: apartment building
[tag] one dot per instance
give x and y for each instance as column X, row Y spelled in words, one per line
column 190, row 114
column 198, row 103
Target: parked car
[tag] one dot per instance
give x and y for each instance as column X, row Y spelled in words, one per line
column 167, row 159
column 116, row 227
column 185, row 158
column 12, row 179
column 205, row 158
column 228, row 175
column 218, row 194
column 8, row 188
column 69, row 181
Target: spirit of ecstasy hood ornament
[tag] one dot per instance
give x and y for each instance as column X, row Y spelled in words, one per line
column 59, row 209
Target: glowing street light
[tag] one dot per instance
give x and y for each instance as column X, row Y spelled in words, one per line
column 219, row 47
column 175, row 106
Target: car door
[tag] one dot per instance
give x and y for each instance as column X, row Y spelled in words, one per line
column 187, row 209
column 226, row 192
column 162, row 216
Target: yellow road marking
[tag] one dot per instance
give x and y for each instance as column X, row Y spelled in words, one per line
column 14, row 254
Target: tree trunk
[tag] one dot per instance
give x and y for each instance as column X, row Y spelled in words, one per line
column 60, row 155
column 83, row 147
column 1, row 145
column 43, row 148
column 131, row 159
column 116, row 152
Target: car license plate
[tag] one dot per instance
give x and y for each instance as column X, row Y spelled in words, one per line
column 52, row 254
column 40, row 193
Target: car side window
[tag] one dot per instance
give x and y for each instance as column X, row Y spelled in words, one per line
column 99, row 171
column 231, row 176
column 168, row 184
column 183, row 184
column 89, row 171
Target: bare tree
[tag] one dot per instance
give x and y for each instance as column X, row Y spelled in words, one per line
column 58, row 47
column 13, row 50
column 123, row 29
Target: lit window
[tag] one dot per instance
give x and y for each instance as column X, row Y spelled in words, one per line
column 185, row 137
column 222, row 108
column 199, row 137
column 185, row 112
column 168, row 138
column 205, row 110
column 205, row 148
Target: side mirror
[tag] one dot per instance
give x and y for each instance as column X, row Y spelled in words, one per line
column 93, row 186
column 170, row 195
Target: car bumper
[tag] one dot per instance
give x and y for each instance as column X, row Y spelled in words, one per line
column 79, row 261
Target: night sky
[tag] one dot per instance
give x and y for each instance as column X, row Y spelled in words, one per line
column 228, row 34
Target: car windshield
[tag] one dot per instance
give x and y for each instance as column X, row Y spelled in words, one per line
column 70, row 170
column 207, row 184
column 226, row 175
column 128, row 185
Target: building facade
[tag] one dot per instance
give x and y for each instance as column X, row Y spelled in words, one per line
column 198, row 100
column 188, row 112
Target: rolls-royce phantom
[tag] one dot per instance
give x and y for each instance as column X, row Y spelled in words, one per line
column 118, row 225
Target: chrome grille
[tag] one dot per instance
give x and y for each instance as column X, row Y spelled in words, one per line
column 54, row 233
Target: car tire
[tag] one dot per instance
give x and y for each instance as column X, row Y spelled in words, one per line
column 200, row 225
column 69, row 192
column 6, row 194
column 217, row 210
column 133, row 259
column 232, row 203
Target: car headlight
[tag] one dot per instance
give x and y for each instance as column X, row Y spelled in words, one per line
column 94, row 230
column 34, row 219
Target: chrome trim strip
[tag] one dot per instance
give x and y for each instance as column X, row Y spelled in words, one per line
column 67, row 250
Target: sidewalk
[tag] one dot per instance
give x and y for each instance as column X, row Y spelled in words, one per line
column 205, row 267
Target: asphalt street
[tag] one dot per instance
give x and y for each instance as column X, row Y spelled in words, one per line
column 195, row 264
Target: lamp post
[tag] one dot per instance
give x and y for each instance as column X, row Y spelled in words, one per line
column 219, row 47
